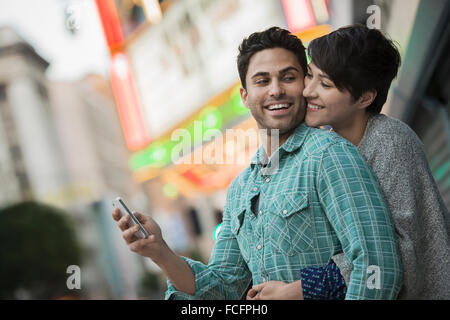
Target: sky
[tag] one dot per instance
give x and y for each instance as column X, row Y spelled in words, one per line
column 43, row 24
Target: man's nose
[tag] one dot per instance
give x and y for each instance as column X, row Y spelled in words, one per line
column 276, row 89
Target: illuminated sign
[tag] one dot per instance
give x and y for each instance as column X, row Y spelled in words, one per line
column 111, row 23
column 159, row 153
column 129, row 111
column 305, row 14
column 190, row 56
column 218, row 113
column 299, row 14
column 122, row 80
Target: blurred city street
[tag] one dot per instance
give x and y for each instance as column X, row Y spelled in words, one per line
column 134, row 98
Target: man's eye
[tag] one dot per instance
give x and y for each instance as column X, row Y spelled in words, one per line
column 289, row 78
column 262, row 81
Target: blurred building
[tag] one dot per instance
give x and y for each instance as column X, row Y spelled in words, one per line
column 91, row 138
column 32, row 165
column 94, row 149
column 62, row 144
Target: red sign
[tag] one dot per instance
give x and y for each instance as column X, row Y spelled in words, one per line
column 299, row 14
column 130, row 112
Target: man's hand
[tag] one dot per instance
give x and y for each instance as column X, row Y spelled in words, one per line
column 276, row 290
column 153, row 247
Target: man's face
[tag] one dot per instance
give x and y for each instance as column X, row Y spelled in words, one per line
column 275, row 82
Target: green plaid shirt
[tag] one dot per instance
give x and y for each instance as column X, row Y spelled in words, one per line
column 322, row 200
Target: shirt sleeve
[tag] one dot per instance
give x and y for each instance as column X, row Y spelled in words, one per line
column 353, row 202
column 225, row 277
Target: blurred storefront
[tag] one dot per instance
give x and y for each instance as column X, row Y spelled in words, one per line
column 55, row 148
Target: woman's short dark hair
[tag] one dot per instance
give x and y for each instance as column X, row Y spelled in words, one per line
column 271, row 38
column 358, row 59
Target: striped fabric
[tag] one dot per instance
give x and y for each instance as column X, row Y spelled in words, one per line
column 322, row 199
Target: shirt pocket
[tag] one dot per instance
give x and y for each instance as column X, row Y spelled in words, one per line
column 291, row 225
column 238, row 228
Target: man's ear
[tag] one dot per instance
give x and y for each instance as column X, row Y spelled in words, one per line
column 367, row 98
column 244, row 97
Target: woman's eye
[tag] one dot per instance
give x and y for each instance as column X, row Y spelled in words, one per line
column 325, row 85
column 308, row 75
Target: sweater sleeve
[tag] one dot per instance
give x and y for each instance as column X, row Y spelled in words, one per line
column 421, row 219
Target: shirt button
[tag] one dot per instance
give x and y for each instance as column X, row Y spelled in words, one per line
column 255, row 189
column 259, row 247
column 268, row 180
column 285, row 211
column 260, row 212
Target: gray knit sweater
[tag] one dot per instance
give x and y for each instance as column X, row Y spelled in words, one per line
column 422, row 222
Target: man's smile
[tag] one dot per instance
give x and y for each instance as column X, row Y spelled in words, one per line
column 279, row 108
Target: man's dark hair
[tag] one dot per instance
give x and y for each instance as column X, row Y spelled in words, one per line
column 269, row 39
column 358, row 59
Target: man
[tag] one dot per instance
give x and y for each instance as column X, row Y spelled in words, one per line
column 319, row 198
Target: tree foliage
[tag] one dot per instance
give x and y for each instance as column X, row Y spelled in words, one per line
column 38, row 243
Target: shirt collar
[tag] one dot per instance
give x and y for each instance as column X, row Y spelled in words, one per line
column 294, row 142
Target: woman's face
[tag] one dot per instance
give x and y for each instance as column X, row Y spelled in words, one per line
column 326, row 104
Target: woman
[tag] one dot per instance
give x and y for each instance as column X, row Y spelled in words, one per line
column 346, row 87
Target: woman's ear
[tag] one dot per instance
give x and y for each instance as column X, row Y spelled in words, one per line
column 367, row 98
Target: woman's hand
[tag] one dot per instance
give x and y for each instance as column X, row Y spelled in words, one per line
column 276, row 290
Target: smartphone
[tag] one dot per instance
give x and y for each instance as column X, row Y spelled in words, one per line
column 120, row 204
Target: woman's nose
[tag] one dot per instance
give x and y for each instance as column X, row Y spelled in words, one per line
column 308, row 91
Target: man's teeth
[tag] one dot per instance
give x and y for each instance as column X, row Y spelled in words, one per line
column 314, row 107
column 279, row 106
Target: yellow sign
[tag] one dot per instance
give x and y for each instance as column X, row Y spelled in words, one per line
column 308, row 35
